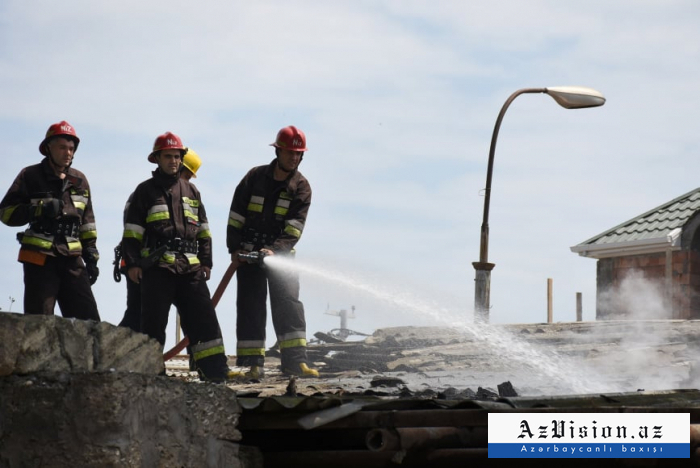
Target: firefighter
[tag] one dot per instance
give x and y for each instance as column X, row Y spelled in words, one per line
column 167, row 210
column 59, row 248
column 191, row 163
column 268, row 213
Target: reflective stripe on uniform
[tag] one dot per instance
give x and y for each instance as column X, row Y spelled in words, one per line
column 190, row 215
column 250, row 348
column 46, row 241
column 134, row 231
column 251, row 344
column 294, row 227
column 88, row 231
column 79, row 202
column 158, row 213
column 282, row 206
column 204, row 231
column 191, row 208
column 236, row 220
column 74, row 245
column 256, row 204
column 36, row 241
column 292, row 339
column 295, row 343
column 291, row 335
column 250, row 351
column 209, row 348
column 170, row 256
column 6, row 213
column 193, row 259
column 193, row 202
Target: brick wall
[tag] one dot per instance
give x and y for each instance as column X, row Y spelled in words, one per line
column 682, row 303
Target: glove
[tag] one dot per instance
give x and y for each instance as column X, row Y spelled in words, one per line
column 117, row 273
column 92, row 271
column 91, row 256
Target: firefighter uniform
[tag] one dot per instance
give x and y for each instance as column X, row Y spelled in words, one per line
column 191, row 163
column 61, row 237
column 166, row 210
column 132, row 314
column 269, row 214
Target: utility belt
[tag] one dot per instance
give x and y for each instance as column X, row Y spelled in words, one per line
column 256, row 240
column 64, row 226
column 144, row 263
column 178, row 245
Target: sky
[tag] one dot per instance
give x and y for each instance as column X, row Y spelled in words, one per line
column 398, row 100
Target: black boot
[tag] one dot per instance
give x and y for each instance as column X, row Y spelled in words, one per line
column 193, row 366
column 213, row 368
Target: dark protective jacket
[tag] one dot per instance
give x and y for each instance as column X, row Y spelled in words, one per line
column 167, row 210
column 268, row 213
column 73, row 232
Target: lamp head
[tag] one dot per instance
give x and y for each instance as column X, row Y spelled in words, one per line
column 575, row 97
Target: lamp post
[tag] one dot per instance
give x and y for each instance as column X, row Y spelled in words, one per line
column 569, row 97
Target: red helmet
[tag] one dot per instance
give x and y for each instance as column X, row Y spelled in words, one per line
column 166, row 141
column 290, row 138
column 63, row 129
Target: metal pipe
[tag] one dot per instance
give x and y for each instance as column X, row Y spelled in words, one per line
column 383, row 439
column 373, row 419
column 694, row 436
column 423, row 438
column 444, row 458
column 550, row 300
column 251, row 421
column 579, row 307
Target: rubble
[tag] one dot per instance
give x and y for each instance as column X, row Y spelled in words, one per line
column 625, row 355
column 419, row 396
column 81, row 393
column 39, row 343
column 118, row 419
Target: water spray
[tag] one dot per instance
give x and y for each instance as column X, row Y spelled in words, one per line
column 569, row 375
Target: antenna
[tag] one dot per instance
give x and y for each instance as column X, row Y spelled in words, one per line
column 344, row 316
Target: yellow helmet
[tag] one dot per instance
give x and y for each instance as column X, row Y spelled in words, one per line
column 192, row 161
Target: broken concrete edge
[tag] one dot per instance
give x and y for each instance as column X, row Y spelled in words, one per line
column 37, row 343
column 116, row 419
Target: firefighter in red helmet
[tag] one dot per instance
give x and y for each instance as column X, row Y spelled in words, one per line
column 59, row 248
column 268, row 214
column 166, row 213
column 191, row 163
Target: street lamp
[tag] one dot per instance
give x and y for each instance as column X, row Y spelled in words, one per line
column 569, row 97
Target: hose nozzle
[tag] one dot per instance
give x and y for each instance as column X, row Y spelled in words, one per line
column 252, row 257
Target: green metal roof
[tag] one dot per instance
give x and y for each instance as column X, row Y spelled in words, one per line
column 654, row 224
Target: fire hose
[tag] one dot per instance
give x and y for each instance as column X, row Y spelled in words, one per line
column 249, row 257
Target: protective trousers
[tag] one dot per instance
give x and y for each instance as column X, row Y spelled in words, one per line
column 161, row 288
column 287, row 316
column 61, row 279
column 132, row 314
